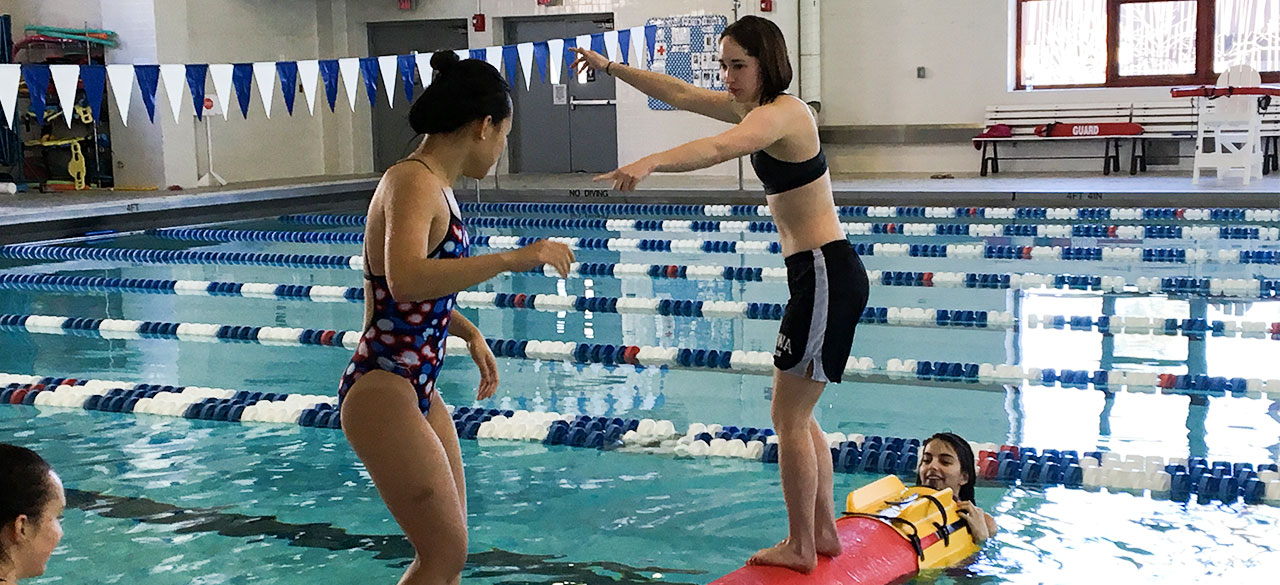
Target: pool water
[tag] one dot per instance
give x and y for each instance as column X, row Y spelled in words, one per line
column 163, row 500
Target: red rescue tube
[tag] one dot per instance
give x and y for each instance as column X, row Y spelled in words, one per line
column 874, row 554
column 1210, row 91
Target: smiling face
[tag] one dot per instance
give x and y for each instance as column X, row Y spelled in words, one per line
column 940, row 467
column 740, row 71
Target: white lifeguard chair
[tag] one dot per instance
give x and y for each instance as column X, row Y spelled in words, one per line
column 1229, row 129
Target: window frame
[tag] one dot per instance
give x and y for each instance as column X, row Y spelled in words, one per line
column 1206, row 14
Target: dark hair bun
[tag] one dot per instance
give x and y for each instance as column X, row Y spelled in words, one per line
column 443, row 61
column 462, row 91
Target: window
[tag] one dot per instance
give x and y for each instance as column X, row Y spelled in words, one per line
column 1120, row 43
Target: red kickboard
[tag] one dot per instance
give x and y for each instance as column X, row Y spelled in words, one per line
column 874, row 554
column 1059, row 130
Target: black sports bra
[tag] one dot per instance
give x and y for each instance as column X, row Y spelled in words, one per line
column 781, row 176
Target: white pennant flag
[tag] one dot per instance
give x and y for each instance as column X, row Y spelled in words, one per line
column 463, row 54
column 611, row 45
column 121, row 78
column 264, row 76
column 526, row 62
column 555, row 56
column 308, row 73
column 9, row 76
column 350, row 68
column 174, row 75
column 423, row 61
column 64, row 82
column 637, row 48
column 388, row 65
column 494, row 56
column 221, row 73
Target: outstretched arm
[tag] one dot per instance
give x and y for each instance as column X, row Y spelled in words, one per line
column 678, row 93
column 761, row 128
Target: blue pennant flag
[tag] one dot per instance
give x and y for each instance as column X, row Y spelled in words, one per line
column 148, row 81
column 650, row 37
column 510, row 62
column 624, row 43
column 329, row 73
column 541, row 57
column 478, row 54
column 242, row 80
column 95, row 86
column 196, row 74
column 406, row 65
column 569, row 45
column 37, row 77
column 369, row 70
column 597, row 43
column 288, row 71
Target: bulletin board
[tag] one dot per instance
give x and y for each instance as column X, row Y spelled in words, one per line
column 687, row 48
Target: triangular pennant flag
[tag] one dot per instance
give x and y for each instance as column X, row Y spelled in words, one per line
column 121, row 78
column 288, row 71
column 424, row 67
column 611, row 45
column 525, row 51
column 173, row 76
column 541, row 52
column 510, row 62
column 624, row 45
column 221, row 73
column 309, row 72
column 387, row 64
column 148, row 82
column 94, row 78
column 493, row 55
column 65, row 78
column 405, row 65
column 264, row 74
column 10, row 73
column 477, row 54
column 369, row 68
column 37, row 77
column 569, row 56
column 555, row 54
column 196, row 74
column 242, row 80
column 350, row 67
column 650, row 37
column 597, row 43
column 637, row 48
column 329, row 73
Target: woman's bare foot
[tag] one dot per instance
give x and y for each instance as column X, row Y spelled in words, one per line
column 828, row 541
column 785, row 554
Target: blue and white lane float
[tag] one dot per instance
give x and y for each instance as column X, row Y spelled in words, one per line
column 894, row 370
column 1175, row 478
column 1123, row 254
column 1256, row 287
column 894, row 316
column 1090, row 231
column 1164, row 214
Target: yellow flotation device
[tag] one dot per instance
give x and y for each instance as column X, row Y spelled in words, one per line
column 925, row 517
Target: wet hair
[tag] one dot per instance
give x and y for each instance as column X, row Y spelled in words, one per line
column 762, row 39
column 25, row 487
column 462, row 91
column 964, row 455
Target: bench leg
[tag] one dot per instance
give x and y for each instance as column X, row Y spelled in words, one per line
column 1106, row 157
column 982, row 169
column 995, row 157
column 1115, row 155
column 1133, row 157
column 1270, row 156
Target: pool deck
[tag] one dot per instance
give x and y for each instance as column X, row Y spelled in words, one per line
column 40, row 216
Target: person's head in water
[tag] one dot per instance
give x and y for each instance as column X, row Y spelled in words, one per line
column 946, row 461
column 753, row 60
column 31, row 503
column 470, row 101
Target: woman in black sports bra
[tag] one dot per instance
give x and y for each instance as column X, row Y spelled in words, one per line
column 827, row 281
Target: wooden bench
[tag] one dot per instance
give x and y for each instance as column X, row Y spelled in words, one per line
column 1172, row 119
column 1023, row 120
